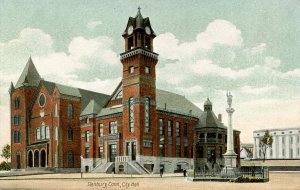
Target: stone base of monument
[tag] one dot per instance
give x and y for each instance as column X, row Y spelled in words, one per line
column 230, row 170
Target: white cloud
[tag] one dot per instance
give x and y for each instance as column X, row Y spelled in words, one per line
column 218, row 32
column 190, row 90
column 93, row 24
column 259, row 90
column 206, row 67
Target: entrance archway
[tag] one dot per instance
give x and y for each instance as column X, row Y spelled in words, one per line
column 30, row 159
column 43, row 158
column 36, row 158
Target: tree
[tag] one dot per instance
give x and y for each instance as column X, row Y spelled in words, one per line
column 265, row 143
column 6, row 152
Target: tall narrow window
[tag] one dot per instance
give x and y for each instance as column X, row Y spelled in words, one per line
column 100, row 154
column 17, row 120
column 113, row 127
column 70, row 159
column 17, row 102
column 131, row 114
column 100, row 132
column 17, row 137
column 47, row 132
column 87, row 152
column 178, row 151
column 170, row 132
column 178, row 133
column 55, row 110
column 38, row 133
column 43, row 131
column 161, row 127
column 70, row 111
column 291, row 140
column 87, row 136
column 185, row 152
column 185, row 130
column 283, row 140
column 56, row 133
column 70, row 134
column 147, row 114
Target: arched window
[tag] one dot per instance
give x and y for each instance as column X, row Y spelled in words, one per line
column 70, row 159
column 131, row 114
column 70, row 134
column 17, row 102
column 70, row 111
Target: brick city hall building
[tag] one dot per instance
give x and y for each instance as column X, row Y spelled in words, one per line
column 136, row 129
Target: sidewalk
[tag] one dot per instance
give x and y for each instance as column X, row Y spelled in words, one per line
column 52, row 175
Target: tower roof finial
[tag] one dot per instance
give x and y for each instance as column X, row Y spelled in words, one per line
column 139, row 12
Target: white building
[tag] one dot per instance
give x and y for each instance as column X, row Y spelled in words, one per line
column 286, row 144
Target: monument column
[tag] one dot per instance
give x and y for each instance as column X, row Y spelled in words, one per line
column 230, row 169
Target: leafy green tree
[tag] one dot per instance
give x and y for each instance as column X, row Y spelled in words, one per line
column 265, row 143
column 6, row 152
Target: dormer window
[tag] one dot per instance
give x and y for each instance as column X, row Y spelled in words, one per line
column 131, row 69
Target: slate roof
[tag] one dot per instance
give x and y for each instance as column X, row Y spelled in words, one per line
column 138, row 22
column 91, row 108
column 209, row 119
column 110, row 111
column 29, row 75
column 176, row 103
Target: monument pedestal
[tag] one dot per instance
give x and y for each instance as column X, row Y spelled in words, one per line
column 230, row 170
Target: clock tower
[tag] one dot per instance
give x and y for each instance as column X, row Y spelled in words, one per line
column 139, row 88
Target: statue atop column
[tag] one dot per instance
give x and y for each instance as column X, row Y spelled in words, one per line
column 229, row 99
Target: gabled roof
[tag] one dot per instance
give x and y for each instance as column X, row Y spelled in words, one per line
column 91, row 108
column 29, row 75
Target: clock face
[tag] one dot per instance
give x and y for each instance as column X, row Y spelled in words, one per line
column 148, row 31
column 130, row 30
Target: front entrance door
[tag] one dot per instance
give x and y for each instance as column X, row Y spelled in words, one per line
column 211, row 154
column 133, row 151
column 18, row 160
column 112, row 152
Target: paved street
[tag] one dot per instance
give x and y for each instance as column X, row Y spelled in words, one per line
column 278, row 181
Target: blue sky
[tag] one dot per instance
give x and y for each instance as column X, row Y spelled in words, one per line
column 206, row 48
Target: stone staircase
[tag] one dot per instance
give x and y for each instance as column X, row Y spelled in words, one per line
column 138, row 167
column 104, row 168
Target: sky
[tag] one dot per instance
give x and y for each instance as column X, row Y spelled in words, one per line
column 205, row 48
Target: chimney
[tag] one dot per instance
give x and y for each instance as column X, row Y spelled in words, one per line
column 220, row 117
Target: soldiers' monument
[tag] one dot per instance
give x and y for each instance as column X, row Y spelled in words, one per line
column 230, row 169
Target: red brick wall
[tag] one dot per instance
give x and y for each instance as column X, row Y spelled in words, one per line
column 170, row 150
column 26, row 95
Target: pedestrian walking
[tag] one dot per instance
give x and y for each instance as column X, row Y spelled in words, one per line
column 184, row 172
column 161, row 171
